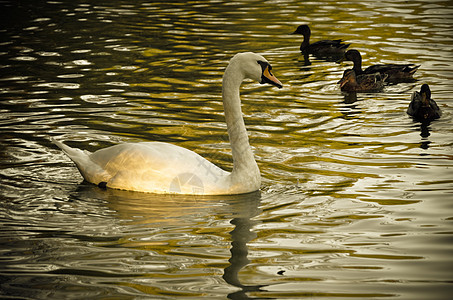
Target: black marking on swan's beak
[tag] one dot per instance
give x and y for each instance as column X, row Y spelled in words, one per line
column 267, row 76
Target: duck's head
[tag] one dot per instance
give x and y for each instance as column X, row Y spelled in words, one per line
column 352, row 55
column 425, row 91
column 348, row 76
column 303, row 29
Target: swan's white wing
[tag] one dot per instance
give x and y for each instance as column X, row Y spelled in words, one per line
column 157, row 167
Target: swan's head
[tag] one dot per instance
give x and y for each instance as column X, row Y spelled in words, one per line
column 256, row 67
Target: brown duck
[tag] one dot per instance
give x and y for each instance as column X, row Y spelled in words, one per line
column 361, row 83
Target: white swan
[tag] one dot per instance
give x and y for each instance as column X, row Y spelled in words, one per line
column 158, row 167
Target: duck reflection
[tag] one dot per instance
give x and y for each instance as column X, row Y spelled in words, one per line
column 424, row 129
column 350, row 97
column 424, row 133
column 350, row 108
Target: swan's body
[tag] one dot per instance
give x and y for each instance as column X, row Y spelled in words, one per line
column 165, row 168
column 422, row 107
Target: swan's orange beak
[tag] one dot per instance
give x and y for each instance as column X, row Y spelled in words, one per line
column 268, row 77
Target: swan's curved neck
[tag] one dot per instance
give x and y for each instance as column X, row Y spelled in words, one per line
column 244, row 165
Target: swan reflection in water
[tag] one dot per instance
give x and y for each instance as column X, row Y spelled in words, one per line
column 167, row 211
column 244, row 210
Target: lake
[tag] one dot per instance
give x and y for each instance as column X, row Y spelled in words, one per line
column 356, row 198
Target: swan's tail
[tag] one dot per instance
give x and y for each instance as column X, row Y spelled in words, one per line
column 73, row 153
column 89, row 170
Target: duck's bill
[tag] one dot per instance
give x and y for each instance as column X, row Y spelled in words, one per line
column 342, row 82
column 268, row 77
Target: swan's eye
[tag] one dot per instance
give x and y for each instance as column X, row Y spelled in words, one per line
column 264, row 65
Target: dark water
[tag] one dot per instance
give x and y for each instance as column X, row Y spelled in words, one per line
column 357, row 198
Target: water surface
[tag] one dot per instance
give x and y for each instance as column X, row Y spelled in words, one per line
column 356, row 200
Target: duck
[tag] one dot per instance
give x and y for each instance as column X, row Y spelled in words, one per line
column 351, row 82
column 165, row 168
column 396, row 72
column 323, row 48
column 422, row 107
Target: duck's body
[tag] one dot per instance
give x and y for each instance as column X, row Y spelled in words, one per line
column 165, row 168
column 422, row 107
column 350, row 82
column 323, row 48
column 395, row 72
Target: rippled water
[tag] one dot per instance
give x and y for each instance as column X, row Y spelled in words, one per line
column 356, row 200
